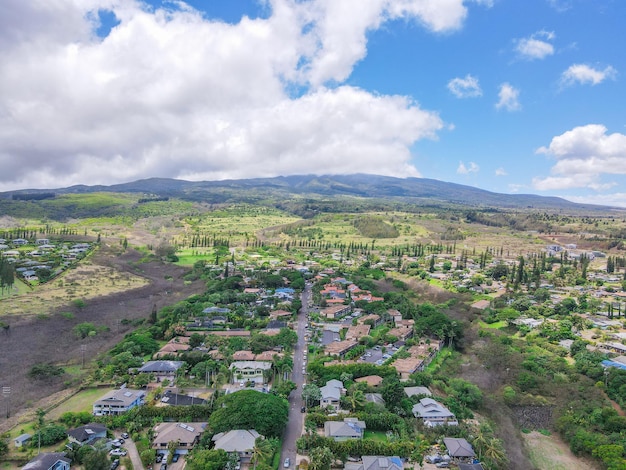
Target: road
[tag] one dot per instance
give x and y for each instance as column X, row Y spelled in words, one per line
column 296, row 418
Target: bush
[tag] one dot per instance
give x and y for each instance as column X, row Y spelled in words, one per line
column 44, row 371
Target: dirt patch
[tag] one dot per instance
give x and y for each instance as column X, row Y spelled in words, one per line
column 533, row 417
column 551, row 453
column 48, row 338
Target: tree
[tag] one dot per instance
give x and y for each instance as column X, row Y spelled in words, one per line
column 98, row 459
column 214, row 459
column 249, row 409
column 356, row 399
column 321, row 458
column 262, row 449
column 4, row 448
column 311, row 393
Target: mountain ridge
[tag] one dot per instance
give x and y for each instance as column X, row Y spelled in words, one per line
column 366, row 186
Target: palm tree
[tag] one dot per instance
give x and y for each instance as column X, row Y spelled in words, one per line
column 261, row 450
column 356, row 399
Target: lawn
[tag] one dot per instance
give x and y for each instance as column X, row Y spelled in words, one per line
column 82, row 401
column 378, row 436
column 496, row 325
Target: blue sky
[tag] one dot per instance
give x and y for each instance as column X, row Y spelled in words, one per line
column 506, row 95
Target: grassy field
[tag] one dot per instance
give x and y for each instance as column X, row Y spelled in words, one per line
column 82, row 401
column 550, row 453
column 86, row 281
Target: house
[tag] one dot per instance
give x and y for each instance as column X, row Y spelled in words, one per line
column 161, row 368
column 375, row 398
column 87, row 434
column 408, row 366
column 370, row 380
column 22, row 439
column 176, row 399
column 186, row 435
column 243, row 356
column 470, row 466
column 458, row 448
column 376, row 462
column 331, row 393
column 357, row 331
column 340, row 348
column 172, row 349
column 240, row 441
column 372, row 319
column 335, row 311
column 119, row 401
column 276, row 314
column 349, row 428
column 412, row 391
column 221, row 310
column 49, row 461
column 250, row 370
column 433, row 413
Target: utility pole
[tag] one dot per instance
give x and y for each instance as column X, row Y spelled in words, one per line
column 6, row 393
column 83, row 348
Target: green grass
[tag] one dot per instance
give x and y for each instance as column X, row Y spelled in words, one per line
column 82, row 401
column 496, row 325
column 438, row 360
column 379, row 436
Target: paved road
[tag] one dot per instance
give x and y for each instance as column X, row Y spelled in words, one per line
column 296, row 418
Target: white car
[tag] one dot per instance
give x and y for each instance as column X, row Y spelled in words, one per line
column 120, row 452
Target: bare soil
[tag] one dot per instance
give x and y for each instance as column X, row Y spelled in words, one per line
column 48, row 338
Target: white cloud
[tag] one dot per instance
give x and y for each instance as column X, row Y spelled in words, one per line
column 508, row 98
column 501, row 172
column 467, row 87
column 466, row 170
column 172, row 93
column 583, row 155
column 586, row 75
column 536, row 46
column 614, row 200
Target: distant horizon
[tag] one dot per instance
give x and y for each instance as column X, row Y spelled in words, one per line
column 310, row 175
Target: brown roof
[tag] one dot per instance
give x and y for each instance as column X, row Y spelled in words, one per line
column 371, row 380
column 243, row 356
column 357, row 331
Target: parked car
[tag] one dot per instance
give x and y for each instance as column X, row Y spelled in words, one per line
column 175, row 457
column 115, row 464
column 125, row 435
column 159, row 458
column 121, row 452
column 287, row 463
column 303, row 409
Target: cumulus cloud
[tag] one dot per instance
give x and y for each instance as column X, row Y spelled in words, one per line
column 466, row 170
column 536, row 46
column 584, row 154
column 501, row 172
column 170, row 92
column 586, row 75
column 467, row 87
column 508, row 98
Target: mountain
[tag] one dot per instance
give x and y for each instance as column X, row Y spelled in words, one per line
column 369, row 187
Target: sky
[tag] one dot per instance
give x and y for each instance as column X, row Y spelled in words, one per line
column 509, row 96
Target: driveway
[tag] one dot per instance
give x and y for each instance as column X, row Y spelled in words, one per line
column 130, row 446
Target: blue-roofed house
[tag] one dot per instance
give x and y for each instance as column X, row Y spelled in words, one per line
column 376, row 462
column 349, row 428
